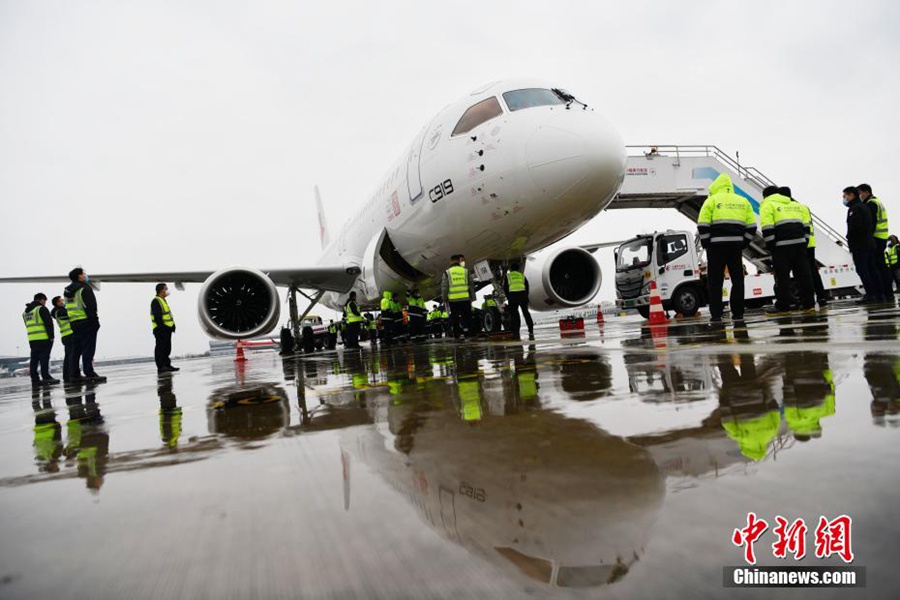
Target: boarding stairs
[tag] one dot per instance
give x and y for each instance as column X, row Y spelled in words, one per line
column 679, row 177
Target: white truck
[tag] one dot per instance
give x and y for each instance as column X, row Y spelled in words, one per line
column 673, row 260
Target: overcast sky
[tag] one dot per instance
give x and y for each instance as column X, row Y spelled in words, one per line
column 147, row 136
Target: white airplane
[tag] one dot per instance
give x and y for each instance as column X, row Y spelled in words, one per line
column 498, row 175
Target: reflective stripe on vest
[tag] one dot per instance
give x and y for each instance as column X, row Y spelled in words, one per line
column 167, row 319
column 516, row 281
column 891, row 257
column 75, row 307
column 35, row 325
column 348, row 312
column 881, row 220
column 459, row 283
column 65, row 329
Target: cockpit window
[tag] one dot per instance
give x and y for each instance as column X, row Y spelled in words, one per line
column 529, row 98
column 477, row 114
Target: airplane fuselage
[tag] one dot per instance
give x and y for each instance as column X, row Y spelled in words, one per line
column 532, row 171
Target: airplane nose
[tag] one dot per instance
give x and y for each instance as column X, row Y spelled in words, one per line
column 576, row 160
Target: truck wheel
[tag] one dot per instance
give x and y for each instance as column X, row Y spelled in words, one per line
column 644, row 311
column 686, row 301
column 491, row 319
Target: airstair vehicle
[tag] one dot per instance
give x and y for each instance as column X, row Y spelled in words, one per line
column 679, row 177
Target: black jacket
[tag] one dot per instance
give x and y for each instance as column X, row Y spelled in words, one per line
column 859, row 227
column 45, row 316
column 90, row 300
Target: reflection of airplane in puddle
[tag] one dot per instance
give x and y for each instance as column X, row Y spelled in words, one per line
column 549, row 496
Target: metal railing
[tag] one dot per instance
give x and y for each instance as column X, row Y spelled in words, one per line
column 750, row 174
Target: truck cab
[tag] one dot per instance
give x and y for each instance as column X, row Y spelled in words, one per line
column 672, row 259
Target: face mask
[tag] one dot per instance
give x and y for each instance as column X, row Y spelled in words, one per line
column 846, row 202
column 462, row 263
column 87, row 278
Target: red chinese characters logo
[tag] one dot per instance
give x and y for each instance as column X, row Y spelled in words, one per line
column 747, row 536
column 790, row 539
column 831, row 537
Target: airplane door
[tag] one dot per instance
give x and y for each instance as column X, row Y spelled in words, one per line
column 413, row 170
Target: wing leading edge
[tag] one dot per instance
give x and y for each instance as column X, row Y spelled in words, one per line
column 335, row 278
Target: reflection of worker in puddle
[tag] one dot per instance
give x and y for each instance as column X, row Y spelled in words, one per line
column 88, row 440
column 750, row 415
column 468, row 386
column 882, row 373
column 47, row 431
column 808, row 393
column 169, row 412
column 540, row 495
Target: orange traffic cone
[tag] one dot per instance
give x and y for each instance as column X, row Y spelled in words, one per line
column 657, row 316
column 599, row 316
column 239, row 357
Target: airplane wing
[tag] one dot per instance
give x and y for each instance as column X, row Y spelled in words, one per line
column 337, row 278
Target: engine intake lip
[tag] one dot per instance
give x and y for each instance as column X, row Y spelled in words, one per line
column 239, row 303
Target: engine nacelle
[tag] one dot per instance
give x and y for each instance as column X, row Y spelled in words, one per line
column 238, row 303
column 562, row 278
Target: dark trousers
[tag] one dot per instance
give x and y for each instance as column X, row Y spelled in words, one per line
column 416, row 322
column 884, row 272
column 40, row 357
column 895, row 274
column 85, row 338
column 460, row 317
column 68, row 344
column 864, row 261
column 517, row 301
column 787, row 260
column 387, row 328
column 351, row 335
column 816, row 276
column 163, row 347
column 718, row 258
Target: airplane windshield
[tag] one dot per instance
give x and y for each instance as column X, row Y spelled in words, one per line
column 634, row 255
column 477, row 114
column 529, row 98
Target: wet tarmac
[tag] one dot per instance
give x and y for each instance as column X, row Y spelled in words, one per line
column 616, row 465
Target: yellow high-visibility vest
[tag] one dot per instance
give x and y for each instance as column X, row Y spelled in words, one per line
column 34, row 324
column 516, row 281
column 167, row 319
column 459, row 283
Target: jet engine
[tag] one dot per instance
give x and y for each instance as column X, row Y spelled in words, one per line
column 562, row 278
column 238, row 303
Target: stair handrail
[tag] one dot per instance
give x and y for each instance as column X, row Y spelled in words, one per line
column 752, row 174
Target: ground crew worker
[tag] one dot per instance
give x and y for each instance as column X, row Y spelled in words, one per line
column 354, row 322
column 880, row 235
column 785, row 228
column 487, row 302
column 81, row 304
column 726, row 226
column 372, row 326
column 39, row 326
column 332, row 335
column 417, row 313
column 163, row 328
column 434, row 321
column 821, row 294
column 387, row 317
column 515, row 285
column 59, row 313
column 459, row 292
column 892, row 259
column 862, row 245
